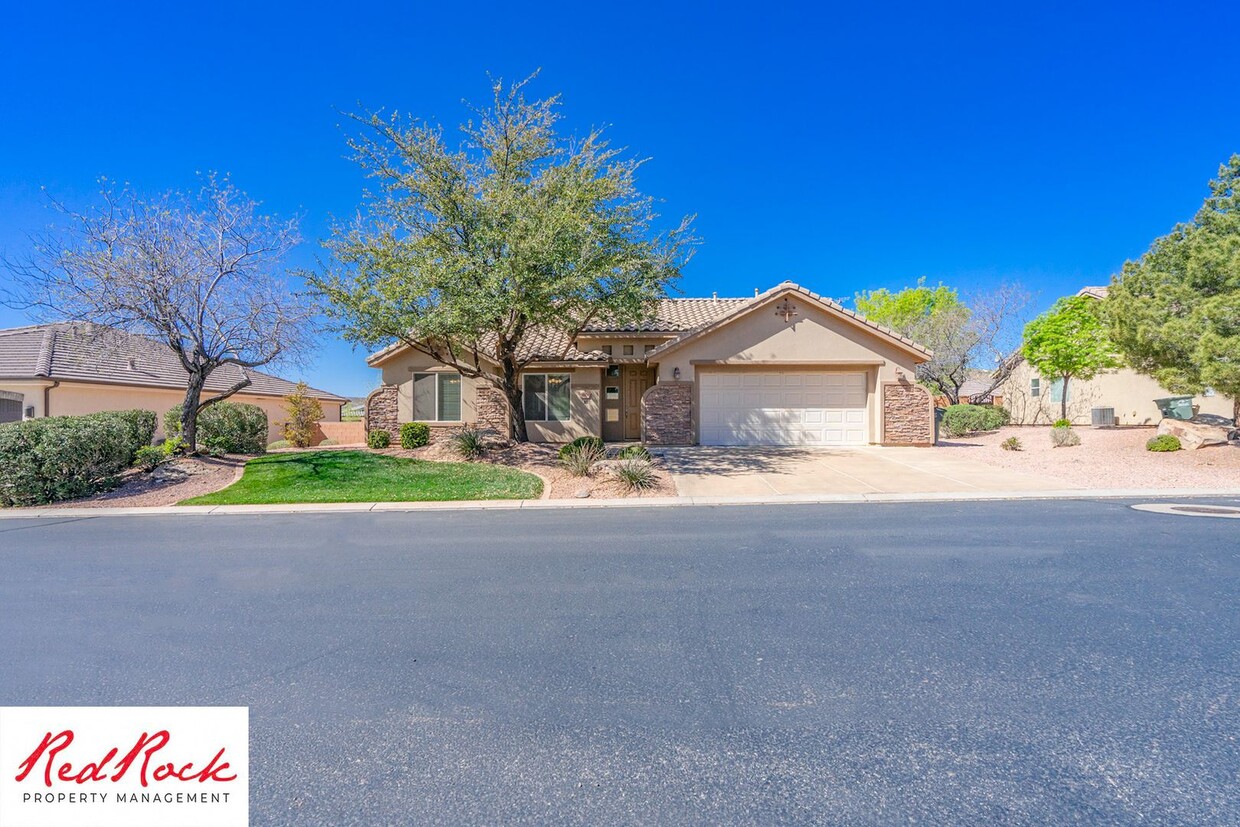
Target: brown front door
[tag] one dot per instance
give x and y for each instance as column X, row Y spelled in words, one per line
column 636, row 378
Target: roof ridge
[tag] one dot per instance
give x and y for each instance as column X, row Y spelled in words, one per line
column 43, row 364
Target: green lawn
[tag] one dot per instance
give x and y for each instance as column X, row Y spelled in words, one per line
column 360, row 476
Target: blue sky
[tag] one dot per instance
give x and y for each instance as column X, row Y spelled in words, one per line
column 846, row 147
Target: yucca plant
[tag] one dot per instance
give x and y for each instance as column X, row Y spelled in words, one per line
column 582, row 458
column 468, row 442
column 636, row 474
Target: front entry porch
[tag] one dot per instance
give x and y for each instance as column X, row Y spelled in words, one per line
column 623, row 386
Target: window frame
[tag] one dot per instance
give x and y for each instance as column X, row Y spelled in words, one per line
column 439, row 377
column 546, row 393
column 1035, row 387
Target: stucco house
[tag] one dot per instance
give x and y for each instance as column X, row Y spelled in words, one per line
column 787, row 367
column 64, row 369
column 1035, row 400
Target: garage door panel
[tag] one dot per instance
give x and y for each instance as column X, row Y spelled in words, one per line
column 783, row 408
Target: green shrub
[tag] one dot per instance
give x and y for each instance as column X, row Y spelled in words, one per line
column 962, row 420
column 328, row 441
column 636, row 474
column 378, row 439
column 582, row 455
column 235, row 427
column 1011, row 444
column 468, row 442
column 1062, row 423
column 414, row 435
column 580, row 441
column 150, row 457
column 1164, row 443
column 278, row 444
column 1062, row 436
column 633, row 452
column 64, row 457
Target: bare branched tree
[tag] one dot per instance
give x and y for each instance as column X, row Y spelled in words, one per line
column 201, row 274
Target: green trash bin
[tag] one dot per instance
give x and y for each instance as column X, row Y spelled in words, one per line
column 1176, row 407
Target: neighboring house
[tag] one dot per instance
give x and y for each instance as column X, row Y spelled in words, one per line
column 61, row 369
column 1035, row 400
column 787, row 367
column 974, row 391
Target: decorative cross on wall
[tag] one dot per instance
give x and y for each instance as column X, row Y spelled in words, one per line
column 785, row 309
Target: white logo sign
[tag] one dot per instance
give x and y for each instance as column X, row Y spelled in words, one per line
column 131, row 766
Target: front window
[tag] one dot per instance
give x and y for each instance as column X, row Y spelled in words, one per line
column 1035, row 387
column 546, row 397
column 437, row 397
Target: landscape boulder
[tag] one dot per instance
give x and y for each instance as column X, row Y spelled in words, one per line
column 1197, row 432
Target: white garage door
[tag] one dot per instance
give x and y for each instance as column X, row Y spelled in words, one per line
column 782, row 408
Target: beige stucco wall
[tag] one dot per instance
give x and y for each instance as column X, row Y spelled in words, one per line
column 762, row 340
column 585, row 384
column 1131, row 394
column 76, row 398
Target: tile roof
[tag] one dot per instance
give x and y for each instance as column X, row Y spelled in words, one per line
column 680, row 316
column 88, row 354
column 676, row 315
column 1094, row 292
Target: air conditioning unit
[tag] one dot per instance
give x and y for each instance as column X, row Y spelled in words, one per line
column 1102, row 417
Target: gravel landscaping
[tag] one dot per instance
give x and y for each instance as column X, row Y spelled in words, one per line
column 1106, row 458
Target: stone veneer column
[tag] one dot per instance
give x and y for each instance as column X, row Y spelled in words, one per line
column 492, row 407
column 908, row 414
column 381, row 411
column 667, row 414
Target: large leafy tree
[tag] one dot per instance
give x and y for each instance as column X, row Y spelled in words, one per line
column 201, row 273
column 1068, row 342
column 965, row 337
column 467, row 251
column 1175, row 313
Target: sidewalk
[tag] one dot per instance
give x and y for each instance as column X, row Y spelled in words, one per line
column 651, row 502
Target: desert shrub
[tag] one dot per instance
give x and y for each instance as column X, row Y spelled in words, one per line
column 1062, row 423
column 414, row 435
column 1164, row 443
column 633, row 452
column 1011, row 444
column 328, row 442
column 378, row 439
column 1064, row 437
column 217, row 446
column 636, row 474
column 278, row 444
column 304, row 412
column 580, row 441
column 235, row 427
column 63, row 457
column 467, row 442
column 582, row 458
column 962, row 420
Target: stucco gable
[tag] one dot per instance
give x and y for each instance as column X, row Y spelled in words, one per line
column 824, row 327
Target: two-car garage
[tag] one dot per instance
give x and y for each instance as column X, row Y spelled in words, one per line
column 782, row 408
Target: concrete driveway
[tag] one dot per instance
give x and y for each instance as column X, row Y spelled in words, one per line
column 740, row 472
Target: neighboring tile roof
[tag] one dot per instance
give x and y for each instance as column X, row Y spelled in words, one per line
column 1094, row 292
column 86, row 354
column 972, row 387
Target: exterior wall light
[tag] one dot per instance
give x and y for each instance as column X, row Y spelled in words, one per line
column 675, row 373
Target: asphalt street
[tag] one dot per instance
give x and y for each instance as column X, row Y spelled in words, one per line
column 964, row 663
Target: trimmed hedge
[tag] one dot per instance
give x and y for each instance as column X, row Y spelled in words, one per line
column 65, row 457
column 233, row 427
column 414, row 435
column 378, row 439
column 962, row 420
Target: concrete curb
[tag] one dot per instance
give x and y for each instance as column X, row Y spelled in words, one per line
column 649, row 502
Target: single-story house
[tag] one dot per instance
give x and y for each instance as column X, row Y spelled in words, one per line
column 65, row 369
column 787, row 367
column 1036, row 400
column 975, row 390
